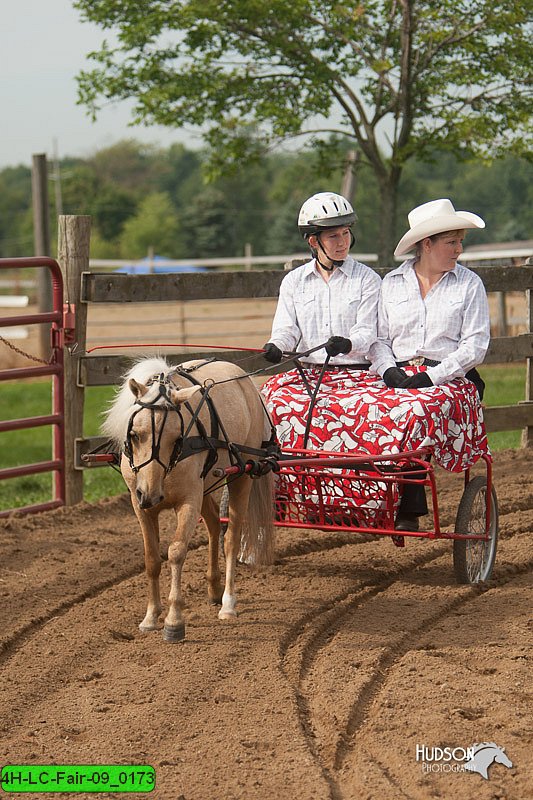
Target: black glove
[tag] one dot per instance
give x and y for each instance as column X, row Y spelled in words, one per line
column 394, row 377
column 338, row 344
column 272, row 353
column 417, row 381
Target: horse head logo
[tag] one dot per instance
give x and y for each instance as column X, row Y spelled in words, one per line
column 485, row 754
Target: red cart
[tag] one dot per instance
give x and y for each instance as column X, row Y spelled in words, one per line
column 360, row 493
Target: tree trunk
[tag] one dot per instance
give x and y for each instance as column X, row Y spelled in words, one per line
column 388, row 201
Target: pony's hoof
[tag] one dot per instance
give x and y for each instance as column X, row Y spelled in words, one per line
column 174, row 633
column 227, row 614
column 215, row 601
column 147, row 628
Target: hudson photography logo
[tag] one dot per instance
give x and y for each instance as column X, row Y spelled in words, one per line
column 477, row 758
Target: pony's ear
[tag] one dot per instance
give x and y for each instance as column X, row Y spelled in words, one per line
column 178, row 396
column 137, row 389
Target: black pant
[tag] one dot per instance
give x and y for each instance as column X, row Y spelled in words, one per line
column 413, row 502
column 474, row 376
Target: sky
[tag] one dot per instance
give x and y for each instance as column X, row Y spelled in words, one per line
column 43, row 46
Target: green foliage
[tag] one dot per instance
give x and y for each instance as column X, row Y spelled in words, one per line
column 16, row 234
column 111, row 208
column 504, row 386
column 500, row 191
column 417, row 76
column 258, row 204
column 155, row 225
column 128, row 164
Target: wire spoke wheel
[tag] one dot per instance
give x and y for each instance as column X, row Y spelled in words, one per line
column 473, row 560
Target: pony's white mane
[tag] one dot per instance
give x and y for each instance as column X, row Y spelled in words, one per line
column 115, row 424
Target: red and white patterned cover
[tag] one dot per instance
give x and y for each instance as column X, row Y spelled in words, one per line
column 355, row 412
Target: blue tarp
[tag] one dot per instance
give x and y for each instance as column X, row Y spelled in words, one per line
column 157, row 264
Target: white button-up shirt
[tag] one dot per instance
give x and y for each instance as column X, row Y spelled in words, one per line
column 451, row 324
column 310, row 310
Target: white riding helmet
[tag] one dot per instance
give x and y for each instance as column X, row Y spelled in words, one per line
column 324, row 210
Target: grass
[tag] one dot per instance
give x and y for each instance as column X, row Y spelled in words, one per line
column 27, row 399
column 505, row 386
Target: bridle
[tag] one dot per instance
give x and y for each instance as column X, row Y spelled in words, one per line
column 155, row 406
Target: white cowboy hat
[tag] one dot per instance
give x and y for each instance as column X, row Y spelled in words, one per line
column 436, row 216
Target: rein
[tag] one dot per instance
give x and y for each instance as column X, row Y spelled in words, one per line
column 186, row 445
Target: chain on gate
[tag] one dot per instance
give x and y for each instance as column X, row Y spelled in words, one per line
column 26, row 355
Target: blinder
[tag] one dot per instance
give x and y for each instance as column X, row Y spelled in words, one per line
column 155, row 407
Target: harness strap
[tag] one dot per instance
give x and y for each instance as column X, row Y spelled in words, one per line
column 212, row 455
column 186, row 445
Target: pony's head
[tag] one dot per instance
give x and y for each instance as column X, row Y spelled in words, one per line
column 146, row 421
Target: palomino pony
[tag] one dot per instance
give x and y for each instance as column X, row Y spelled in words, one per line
column 173, row 425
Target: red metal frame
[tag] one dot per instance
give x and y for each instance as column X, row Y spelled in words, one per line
column 56, row 369
column 317, row 513
column 384, row 469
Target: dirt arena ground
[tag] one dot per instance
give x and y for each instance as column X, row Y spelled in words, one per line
column 347, row 655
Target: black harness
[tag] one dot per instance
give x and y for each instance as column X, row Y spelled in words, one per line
column 186, row 445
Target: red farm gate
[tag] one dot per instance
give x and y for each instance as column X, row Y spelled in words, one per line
column 53, row 367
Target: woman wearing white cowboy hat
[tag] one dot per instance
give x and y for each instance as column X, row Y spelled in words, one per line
column 433, row 315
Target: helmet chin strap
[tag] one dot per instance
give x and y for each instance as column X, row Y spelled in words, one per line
column 333, row 264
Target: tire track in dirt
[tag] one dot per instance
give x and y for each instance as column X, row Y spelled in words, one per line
column 305, row 643
column 272, row 705
column 364, row 748
column 410, row 641
column 305, row 640
column 21, row 635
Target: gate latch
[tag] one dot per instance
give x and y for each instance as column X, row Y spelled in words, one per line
column 69, row 323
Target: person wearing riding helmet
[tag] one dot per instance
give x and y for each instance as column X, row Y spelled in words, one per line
column 331, row 299
column 349, row 408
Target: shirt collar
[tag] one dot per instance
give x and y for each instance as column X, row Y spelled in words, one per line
column 346, row 267
column 409, row 264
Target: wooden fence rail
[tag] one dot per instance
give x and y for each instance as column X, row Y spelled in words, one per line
column 100, row 370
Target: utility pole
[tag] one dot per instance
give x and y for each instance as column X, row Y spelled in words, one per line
column 349, row 177
column 41, row 242
column 56, row 177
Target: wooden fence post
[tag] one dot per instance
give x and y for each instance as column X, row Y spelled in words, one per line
column 527, row 433
column 74, row 233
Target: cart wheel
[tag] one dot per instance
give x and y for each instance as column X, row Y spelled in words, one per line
column 473, row 561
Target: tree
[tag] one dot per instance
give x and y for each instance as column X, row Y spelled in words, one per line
column 16, row 224
column 397, row 77
column 154, row 226
column 208, row 225
column 128, row 163
column 110, row 209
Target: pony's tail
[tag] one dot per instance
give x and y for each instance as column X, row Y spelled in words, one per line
column 258, row 532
